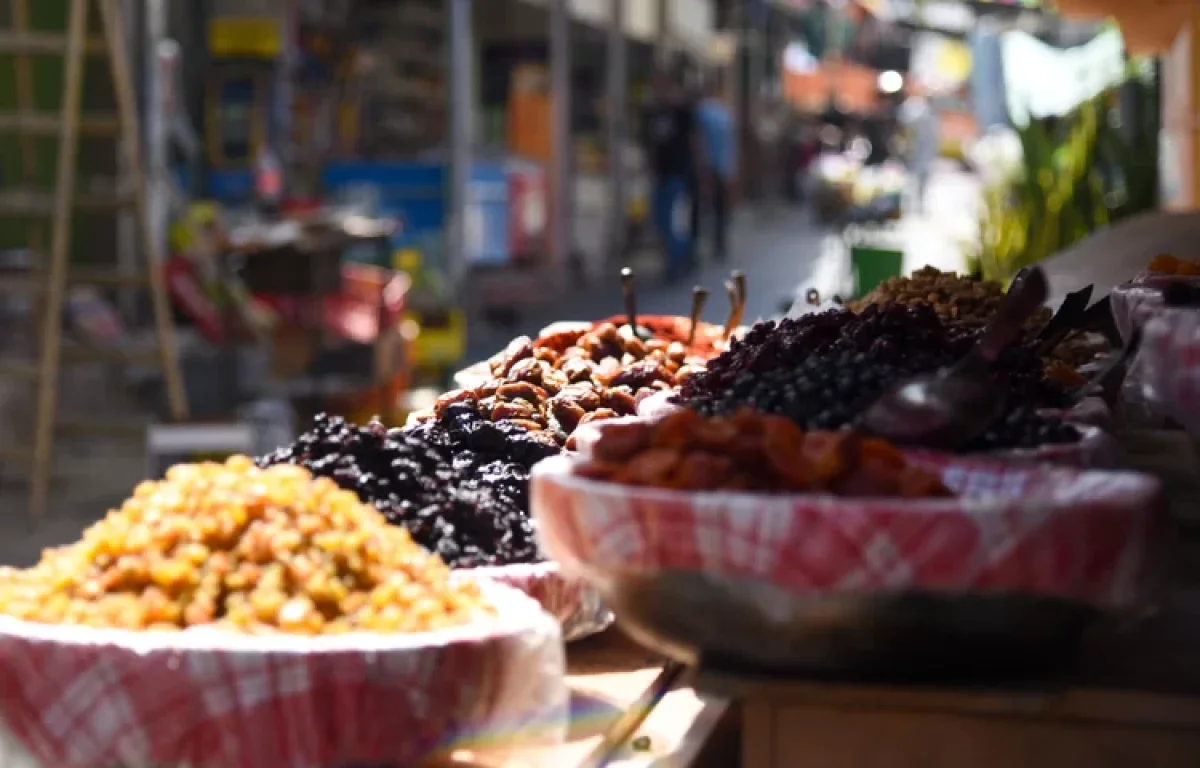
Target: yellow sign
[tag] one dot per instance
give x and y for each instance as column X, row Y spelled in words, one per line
column 435, row 347
column 245, row 38
column 407, row 260
column 953, row 61
column 637, row 209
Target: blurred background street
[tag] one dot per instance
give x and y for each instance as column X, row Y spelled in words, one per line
column 351, row 200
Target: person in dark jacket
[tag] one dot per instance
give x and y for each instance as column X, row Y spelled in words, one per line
column 670, row 133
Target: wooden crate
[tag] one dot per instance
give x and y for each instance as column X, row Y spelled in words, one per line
column 1134, row 701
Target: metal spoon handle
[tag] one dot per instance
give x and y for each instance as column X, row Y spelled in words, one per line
column 739, row 286
column 629, row 722
column 699, row 299
column 629, row 293
column 1111, row 368
column 1024, row 298
column 731, row 321
column 1065, row 320
column 1098, row 318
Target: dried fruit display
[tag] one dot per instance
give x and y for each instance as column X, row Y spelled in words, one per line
column 956, row 298
column 247, row 549
column 1167, row 265
column 709, row 339
column 458, row 483
column 571, row 376
column 749, row 451
column 821, row 370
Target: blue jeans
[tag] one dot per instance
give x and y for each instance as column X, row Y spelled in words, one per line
column 668, row 193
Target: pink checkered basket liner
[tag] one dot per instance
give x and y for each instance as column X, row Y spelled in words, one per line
column 85, row 698
column 1078, row 535
column 1140, row 299
column 1169, row 361
column 575, row 603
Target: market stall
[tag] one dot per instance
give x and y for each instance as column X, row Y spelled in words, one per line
column 304, row 308
column 934, row 514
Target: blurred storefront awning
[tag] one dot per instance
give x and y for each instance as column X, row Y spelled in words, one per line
column 1149, row 26
column 1044, row 81
column 851, row 88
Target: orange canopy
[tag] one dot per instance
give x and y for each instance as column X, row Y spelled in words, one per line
column 1148, row 26
column 855, row 88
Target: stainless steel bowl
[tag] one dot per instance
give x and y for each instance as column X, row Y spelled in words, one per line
column 696, row 618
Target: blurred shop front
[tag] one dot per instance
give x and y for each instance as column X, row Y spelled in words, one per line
column 515, row 107
column 1170, row 30
column 354, row 103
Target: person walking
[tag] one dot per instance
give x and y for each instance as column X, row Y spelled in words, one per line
column 718, row 160
column 694, row 98
column 921, row 124
column 671, row 146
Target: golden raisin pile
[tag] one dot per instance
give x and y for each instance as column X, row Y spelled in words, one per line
column 247, row 549
column 955, row 298
column 753, row 452
column 1165, row 264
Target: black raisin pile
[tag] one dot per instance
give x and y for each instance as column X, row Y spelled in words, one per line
column 459, row 484
column 822, row 370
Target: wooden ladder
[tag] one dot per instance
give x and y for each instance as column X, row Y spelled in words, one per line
column 48, row 284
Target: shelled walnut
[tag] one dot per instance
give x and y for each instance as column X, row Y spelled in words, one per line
column 574, row 374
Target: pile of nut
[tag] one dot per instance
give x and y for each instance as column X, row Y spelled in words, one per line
column 572, row 376
column 749, row 451
column 708, row 341
column 246, row 549
column 957, row 299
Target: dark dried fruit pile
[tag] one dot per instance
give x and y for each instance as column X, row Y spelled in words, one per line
column 822, row 370
column 459, row 484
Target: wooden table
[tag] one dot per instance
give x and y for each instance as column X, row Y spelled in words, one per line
column 606, row 674
column 1134, row 701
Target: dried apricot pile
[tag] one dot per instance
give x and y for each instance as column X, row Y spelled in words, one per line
column 752, row 452
column 254, row 550
column 1165, row 264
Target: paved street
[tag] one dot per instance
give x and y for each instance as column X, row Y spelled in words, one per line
column 782, row 252
column 776, row 249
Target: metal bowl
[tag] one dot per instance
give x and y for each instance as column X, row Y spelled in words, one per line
column 701, row 619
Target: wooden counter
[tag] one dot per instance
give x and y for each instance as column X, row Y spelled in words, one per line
column 607, row 673
column 1133, row 701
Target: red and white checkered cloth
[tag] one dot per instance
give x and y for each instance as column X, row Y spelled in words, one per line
column 85, row 698
column 575, row 603
column 1169, row 365
column 1059, row 532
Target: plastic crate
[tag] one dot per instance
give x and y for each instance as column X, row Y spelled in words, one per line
column 233, row 187
column 416, row 192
